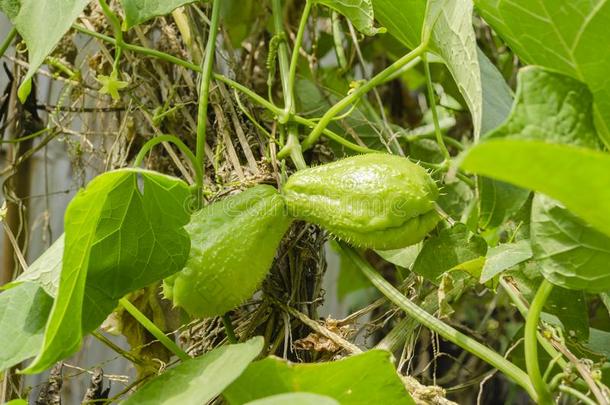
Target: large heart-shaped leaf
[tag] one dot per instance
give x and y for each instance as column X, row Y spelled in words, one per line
column 571, row 253
column 41, row 24
column 566, row 36
column 578, row 177
column 117, row 240
column 367, row 378
column 23, row 314
column 199, row 380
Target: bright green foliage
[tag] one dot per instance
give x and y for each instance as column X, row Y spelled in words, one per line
column 359, row 12
column 23, row 313
column 571, row 253
column 199, row 380
column 138, row 11
column 364, row 379
column 299, row 398
column 233, row 243
column 503, row 257
column 565, row 36
column 41, row 24
column 550, row 107
column 451, row 248
column 575, row 176
column 117, row 240
column 449, row 25
column 46, row 270
column 374, row 200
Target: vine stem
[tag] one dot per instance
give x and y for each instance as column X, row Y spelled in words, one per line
column 314, row 135
column 153, row 329
column 531, row 342
column 221, row 78
column 204, row 91
column 282, row 56
column 436, row 325
column 151, row 143
column 7, row 41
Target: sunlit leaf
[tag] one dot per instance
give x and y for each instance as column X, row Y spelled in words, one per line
column 138, row 11
column 300, row 398
column 364, row 379
column 117, row 240
column 41, row 24
column 359, row 12
column 198, row 380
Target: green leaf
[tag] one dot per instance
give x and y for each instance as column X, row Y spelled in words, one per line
column 571, row 253
column 451, row 248
column 497, row 96
column 41, row 24
column 404, row 257
column 23, row 313
column 350, row 279
column 363, row 379
column 498, row 201
column 139, row 11
column 563, row 36
column 550, row 107
column 453, row 39
column 300, row 398
column 577, row 177
column 17, row 402
column 117, row 240
column 46, row 270
column 503, row 257
column 570, row 307
column 199, row 380
column 359, row 12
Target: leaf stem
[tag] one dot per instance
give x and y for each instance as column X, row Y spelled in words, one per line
column 8, row 41
column 577, row 394
column 531, row 343
column 436, row 325
column 151, row 143
column 282, row 56
column 204, row 91
column 153, row 329
column 116, row 29
column 336, row 109
column 432, row 100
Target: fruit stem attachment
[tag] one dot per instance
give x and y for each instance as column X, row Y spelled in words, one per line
column 531, row 343
column 153, row 329
column 204, row 91
column 436, row 325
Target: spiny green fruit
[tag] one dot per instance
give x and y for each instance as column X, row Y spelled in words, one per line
column 233, row 243
column 376, row 200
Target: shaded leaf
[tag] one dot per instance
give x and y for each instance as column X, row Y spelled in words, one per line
column 23, row 314
column 563, row 37
column 117, row 240
column 139, row 11
column 199, row 380
column 498, row 201
column 300, row 398
column 45, row 270
column 451, row 248
column 550, row 107
column 41, row 24
column 497, row 96
column 367, row 378
column 577, row 177
column 503, row 257
column 571, row 253
column 359, row 12
column 404, row 257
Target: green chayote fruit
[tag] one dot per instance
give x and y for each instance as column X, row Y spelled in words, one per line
column 376, row 200
column 233, row 243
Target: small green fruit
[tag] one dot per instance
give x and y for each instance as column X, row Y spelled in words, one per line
column 376, row 200
column 233, row 243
